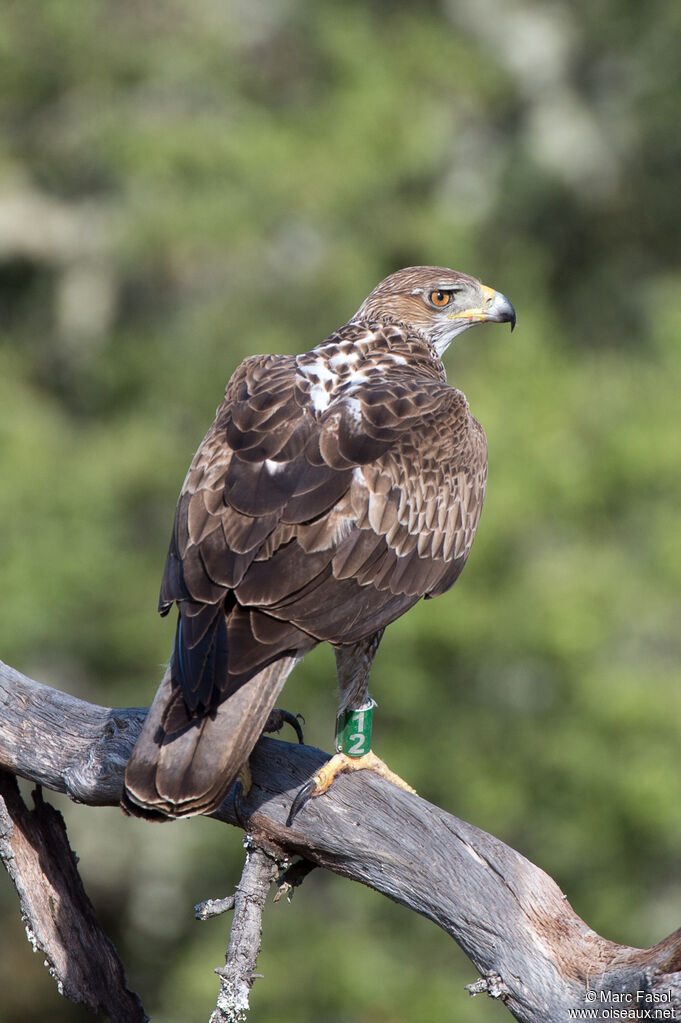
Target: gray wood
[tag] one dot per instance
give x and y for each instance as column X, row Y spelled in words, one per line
column 245, row 937
column 59, row 919
column 532, row 950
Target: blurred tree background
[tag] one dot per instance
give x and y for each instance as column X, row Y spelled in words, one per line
column 184, row 184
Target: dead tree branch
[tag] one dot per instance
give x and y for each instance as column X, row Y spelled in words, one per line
column 245, row 938
column 530, row 947
column 59, row 919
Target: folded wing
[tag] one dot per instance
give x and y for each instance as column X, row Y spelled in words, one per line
column 295, row 526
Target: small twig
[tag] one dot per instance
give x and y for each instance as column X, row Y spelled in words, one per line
column 491, row 983
column 213, row 907
column 238, row 973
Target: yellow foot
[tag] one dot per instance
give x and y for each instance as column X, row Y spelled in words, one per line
column 341, row 763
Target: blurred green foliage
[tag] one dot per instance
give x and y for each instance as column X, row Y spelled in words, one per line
column 185, row 184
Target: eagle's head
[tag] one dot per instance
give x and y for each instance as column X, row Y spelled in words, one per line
column 437, row 302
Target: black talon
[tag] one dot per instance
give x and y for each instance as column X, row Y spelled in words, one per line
column 296, row 721
column 300, row 800
column 278, row 718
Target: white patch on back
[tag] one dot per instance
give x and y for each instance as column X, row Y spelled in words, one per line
column 320, row 367
column 337, row 362
column 274, row 467
column 319, row 370
column 354, row 408
column 319, row 397
column 343, row 372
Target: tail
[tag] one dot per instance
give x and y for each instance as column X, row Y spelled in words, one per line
column 181, row 765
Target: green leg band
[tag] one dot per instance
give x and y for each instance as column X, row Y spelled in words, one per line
column 353, row 730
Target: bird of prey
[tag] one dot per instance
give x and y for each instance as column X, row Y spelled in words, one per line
column 333, row 491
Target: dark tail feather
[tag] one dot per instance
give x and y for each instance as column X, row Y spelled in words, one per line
column 182, row 766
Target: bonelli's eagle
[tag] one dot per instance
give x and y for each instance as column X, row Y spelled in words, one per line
column 332, row 492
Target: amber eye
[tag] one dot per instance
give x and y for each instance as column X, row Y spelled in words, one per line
column 440, row 298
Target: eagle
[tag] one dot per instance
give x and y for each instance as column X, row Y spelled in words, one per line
column 333, row 491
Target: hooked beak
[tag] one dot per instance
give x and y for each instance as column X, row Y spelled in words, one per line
column 495, row 308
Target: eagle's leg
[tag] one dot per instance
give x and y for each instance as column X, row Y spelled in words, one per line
column 353, row 725
column 275, row 722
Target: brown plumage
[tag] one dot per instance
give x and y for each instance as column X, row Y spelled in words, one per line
column 332, row 492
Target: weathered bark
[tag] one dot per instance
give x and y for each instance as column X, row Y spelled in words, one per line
column 58, row 916
column 510, row 918
column 245, row 938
